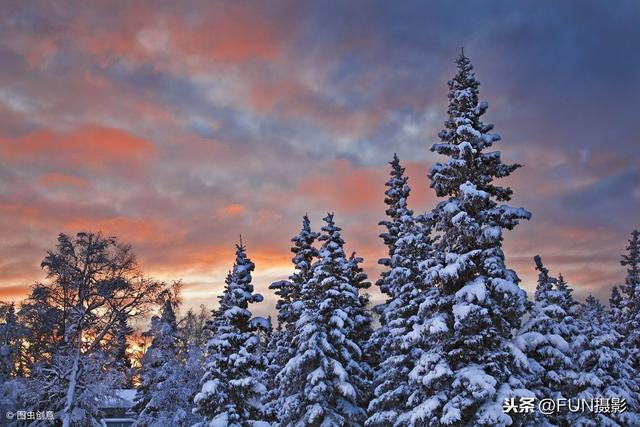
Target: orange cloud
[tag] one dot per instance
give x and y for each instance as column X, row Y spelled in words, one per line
column 87, row 147
column 234, row 209
column 341, row 185
column 231, row 32
column 13, row 214
column 13, row 293
column 266, row 216
column 201, row 261
column 235, row 34
column 129, row 230
column 60, row 180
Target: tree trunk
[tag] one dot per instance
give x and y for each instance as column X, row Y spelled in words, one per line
column 71, row 390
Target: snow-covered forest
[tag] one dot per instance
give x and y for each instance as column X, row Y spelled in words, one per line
column 457, row 341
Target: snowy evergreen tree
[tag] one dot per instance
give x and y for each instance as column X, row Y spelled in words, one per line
column 468, row 369
column 402, row 330
column 275, row 353
column 631, row 260
column 396, row 199
column 319, row 384
column 158, row 365
column 289, row 307
column 545, row 338
column 231, row 389
column 359, row 312
column 289, row 304
column 362, row 326
column 403, row 283
column 630, row 302
column 617, row 311
column 603, row 371
column 567, row 302
column 168, row 378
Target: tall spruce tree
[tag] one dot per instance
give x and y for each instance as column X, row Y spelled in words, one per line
column 631, row 260
column 359, row 312
column 289, row 307
column 288, row 291
column 468, row 369
column 362, row 326
column 403, row 283
column 396, row 199
column 274, row 351
column 231, row 389
column 319, row 385
column 630, row 303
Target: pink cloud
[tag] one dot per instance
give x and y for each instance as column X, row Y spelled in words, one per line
column 60, row 180
column 234, row 209
column 88, row 147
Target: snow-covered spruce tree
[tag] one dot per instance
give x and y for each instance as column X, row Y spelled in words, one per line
column 568, row 304
column 404, row 285
column 545, row 338
column 289, row 304
column 631, row 260
column 359, row 312
column 396, row 196
column 159, row 364
column 362, row 326
column 630, row 304
column 273, row 353
column 167, row 378
column 231, row 388
column 403, row 344
column 602, row 370
column 319, row 384
column 468, row 370
column 396, row 199
column 289, row 307
column 616, row 312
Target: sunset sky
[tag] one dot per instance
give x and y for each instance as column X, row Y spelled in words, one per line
column 176, row 126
